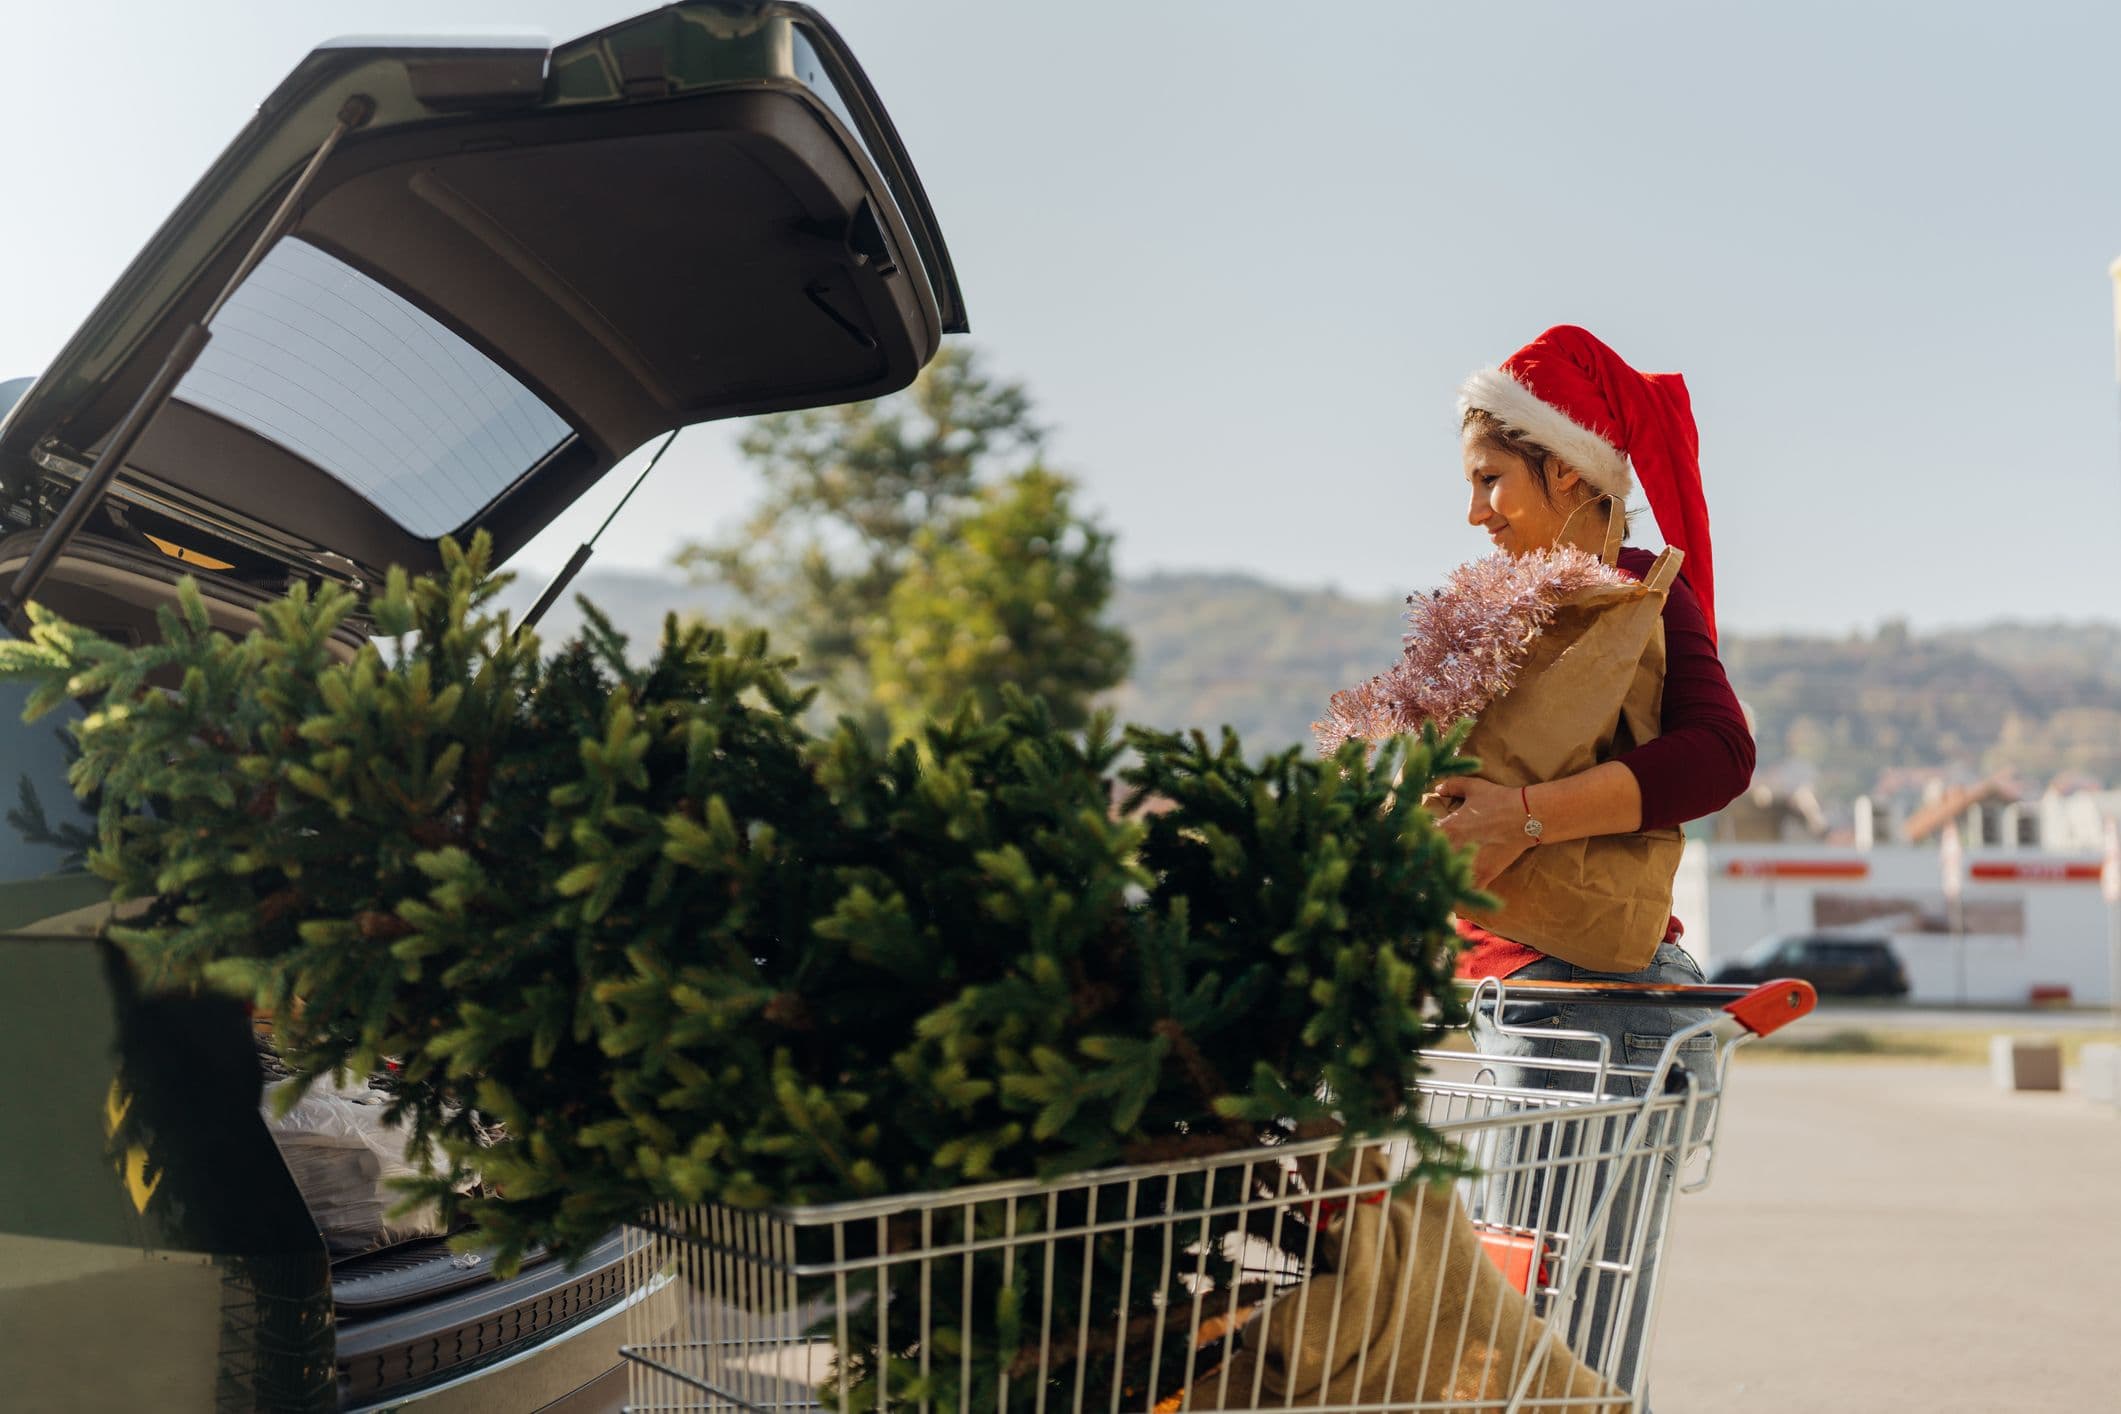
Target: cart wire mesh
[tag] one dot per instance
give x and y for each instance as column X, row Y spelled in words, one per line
column 1314, row 1275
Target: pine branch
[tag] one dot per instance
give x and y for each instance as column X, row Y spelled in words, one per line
column 377, row 927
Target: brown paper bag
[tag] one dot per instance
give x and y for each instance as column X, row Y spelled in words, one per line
column 1412, row 1310
column 1591, row 688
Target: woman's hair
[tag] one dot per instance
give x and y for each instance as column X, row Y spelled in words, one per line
column 1488, row 431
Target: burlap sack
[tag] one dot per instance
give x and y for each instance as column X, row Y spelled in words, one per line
column 1591, row 688
column 1412, row 1310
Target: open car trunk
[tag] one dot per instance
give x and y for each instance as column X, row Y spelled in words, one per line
column 430, row 290
column 509, row 267
column 398, row 1315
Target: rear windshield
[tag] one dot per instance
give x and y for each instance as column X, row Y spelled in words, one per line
column 44, row 830
column 317, row 357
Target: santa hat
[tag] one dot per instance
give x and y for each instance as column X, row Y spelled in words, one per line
column 1581, row 401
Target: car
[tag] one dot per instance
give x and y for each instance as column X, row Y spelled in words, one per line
column 1837, row 964
column 431, row 289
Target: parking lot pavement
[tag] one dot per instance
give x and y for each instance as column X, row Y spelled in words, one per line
column 1897, row 1237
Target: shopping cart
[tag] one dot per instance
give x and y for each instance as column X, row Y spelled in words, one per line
column 1305, row 1276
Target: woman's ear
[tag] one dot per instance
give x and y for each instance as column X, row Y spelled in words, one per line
column 1563, row 477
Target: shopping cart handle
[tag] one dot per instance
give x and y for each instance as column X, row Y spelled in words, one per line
column 1761, row 1009
column 1773, row 1005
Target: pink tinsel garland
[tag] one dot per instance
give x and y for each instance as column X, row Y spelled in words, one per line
column 1465, row 644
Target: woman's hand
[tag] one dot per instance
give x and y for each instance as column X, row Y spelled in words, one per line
column 1488, row 817
column 1605, row 800
column 1486, row 814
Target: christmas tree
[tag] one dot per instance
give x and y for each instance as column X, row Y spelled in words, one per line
column 679, row 949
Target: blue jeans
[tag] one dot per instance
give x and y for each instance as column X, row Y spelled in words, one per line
column 1526, row 1196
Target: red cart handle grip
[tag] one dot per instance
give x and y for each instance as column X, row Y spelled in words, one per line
column 1773, row 1005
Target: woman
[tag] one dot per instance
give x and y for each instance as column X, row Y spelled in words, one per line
column 1558, row 428
column 1543, row 437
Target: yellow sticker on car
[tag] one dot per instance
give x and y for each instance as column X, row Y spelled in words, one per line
column 189, row 557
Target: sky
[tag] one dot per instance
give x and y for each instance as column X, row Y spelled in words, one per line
column 1242, row 254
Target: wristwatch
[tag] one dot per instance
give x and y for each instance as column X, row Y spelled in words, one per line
column 1533, row 826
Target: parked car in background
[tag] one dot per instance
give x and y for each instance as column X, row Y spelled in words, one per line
column 504, row 268
column 1837, row 964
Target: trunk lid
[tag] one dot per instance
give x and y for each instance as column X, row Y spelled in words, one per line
column 525, row 264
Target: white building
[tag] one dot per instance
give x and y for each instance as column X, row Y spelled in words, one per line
column 2031, row 922
column 2076, row 822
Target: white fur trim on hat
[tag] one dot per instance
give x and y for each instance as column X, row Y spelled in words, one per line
column 1495, row 392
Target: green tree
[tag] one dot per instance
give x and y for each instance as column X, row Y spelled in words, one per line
column 1009, row 594
column 682, row 948
column 855, row 496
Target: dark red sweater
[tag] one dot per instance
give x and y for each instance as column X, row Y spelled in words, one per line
column 1701, row 761
column 1703, row 758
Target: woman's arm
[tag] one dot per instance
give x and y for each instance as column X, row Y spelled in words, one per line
column 1702, row 759
column 1605, row 800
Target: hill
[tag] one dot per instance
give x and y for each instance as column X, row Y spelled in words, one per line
column 2039, row 699
column 634, row 600
column 1215, row 649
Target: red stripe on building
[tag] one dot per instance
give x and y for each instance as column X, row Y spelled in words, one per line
column 1796, row 869
column 2035, row 871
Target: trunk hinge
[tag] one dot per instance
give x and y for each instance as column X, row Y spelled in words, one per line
column 191, row 342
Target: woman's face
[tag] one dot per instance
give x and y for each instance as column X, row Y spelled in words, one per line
column 1506, row 499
